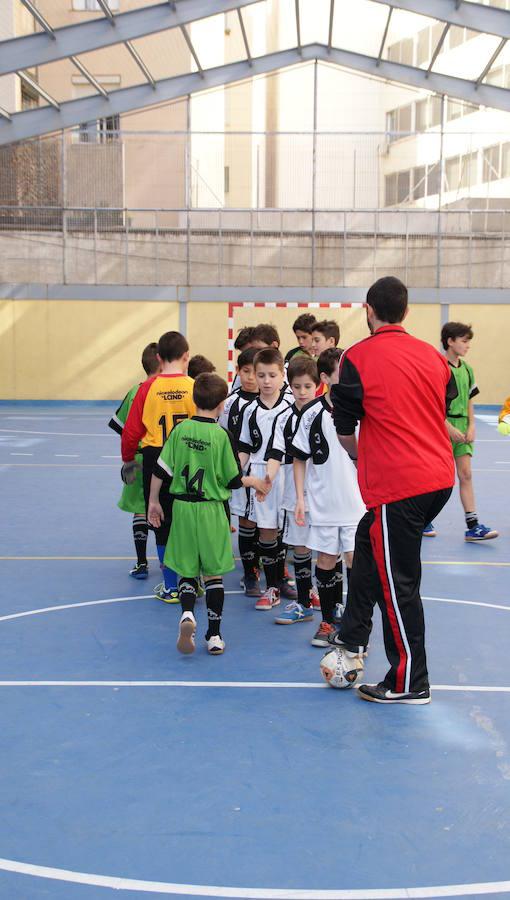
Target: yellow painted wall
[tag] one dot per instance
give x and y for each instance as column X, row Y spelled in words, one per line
column 76, row 350
column 90, row 350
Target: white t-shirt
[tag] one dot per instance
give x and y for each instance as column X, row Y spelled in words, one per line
column 257, row 426
column 331, row 479
column 232, row 414
column 279, row 448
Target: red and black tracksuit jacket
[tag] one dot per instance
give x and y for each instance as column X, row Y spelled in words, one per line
column 398, row 388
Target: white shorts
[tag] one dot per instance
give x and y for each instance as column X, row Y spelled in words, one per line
column 239, row 502
column 332, row 539
column 266, row 513
column 294, row 535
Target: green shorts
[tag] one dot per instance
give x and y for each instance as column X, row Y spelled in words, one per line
column 463, row 449
column 200, row 540
column 132, row 499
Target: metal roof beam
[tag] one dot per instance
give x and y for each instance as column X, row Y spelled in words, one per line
column 88, row 75
column 331, row 23
column 39, row 17
column 94, row 34
column 140, row 63
column 38, row 89
column 385, row 35
column 189, row 42
column 244, row 34
column 34, row 122
column 5, row 114
column 298, row 23
column 106, row 9
column 437, row 49
column 491, row 62
column 489, row 19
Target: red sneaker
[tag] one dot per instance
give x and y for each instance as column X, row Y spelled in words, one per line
column 315, row 603
column 320, row 638
column 270, row 598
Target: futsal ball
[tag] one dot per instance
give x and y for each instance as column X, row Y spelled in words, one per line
column 340, row 669
column 504, row 425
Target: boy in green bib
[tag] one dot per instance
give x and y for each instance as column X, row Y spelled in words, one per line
column 460, row 423
column 203, row 468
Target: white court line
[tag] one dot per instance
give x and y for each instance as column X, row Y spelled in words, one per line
column 56, row 433
column 21, row 454
column 250, row 685
column 68, row 455
column 243, row 893
column 111, row 457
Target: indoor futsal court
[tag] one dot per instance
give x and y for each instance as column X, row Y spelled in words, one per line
column 128, row 767
column 254, row 372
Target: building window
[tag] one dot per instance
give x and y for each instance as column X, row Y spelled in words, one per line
column 469, row 170
column 421, row 118
column 433, row 179
column 404, row 187
column 101, row 131
column 29, row 98
column 491, row 163
column 452, row 173
column 81, row 5
column 505, row 161
column 390, row 190
column 423, row 47
column 419, row 180
column 227, row 179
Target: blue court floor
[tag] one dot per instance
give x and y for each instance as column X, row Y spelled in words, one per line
column 127, row 767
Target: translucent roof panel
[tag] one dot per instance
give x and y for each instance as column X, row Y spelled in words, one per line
column 165, row 53
column 466, row 54
column 351, row 32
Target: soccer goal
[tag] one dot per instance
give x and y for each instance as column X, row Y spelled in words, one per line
column 350, row 318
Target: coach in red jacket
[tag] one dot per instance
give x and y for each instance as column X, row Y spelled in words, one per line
column 399, row 389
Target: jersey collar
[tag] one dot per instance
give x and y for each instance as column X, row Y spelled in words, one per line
column 203, row 419
column 384, row 329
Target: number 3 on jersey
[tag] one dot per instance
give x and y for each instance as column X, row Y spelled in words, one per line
column 194, row 484
column 164, row 428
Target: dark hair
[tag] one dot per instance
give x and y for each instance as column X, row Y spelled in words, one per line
column 455, row 330
column 199, row 364
column 209, row 391
column 328, row 360
column 246, row 357
column 304, row 322
column 269, row 356
column 266, row 333
column 150, row 361
column 172, row 345
column 329, row 328
column 302, row 365
column 244, row 337
column 388, row 299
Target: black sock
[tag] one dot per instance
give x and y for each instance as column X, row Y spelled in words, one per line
column 303, row 573
column 282, row 557
column 339, row 569
column 140, row 532
column 269, row 559
column 214, row 597
column 188, row 588
column 471, row 520
column 248, row 549
column 327, row 585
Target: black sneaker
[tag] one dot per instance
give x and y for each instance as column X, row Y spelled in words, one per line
column 252, row 586
column 379, row 693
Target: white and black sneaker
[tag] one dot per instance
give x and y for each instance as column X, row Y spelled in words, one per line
column 187, row 629
column 215, row 645
column 379, row 693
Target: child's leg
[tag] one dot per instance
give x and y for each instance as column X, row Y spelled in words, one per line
column 466, row 490
column 214, row 598
column 140, row 533
column 303, row 572
column 248, row 549
column 268, row 545
column 327, row 584
column 187, row 626
column 282, row 555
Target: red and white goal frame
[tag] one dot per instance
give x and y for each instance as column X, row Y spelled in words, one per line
column 271, row 305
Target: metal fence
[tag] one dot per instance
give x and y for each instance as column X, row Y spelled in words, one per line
column 253, row 247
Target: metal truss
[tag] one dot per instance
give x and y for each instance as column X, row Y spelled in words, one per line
column 39, row 49
column 36, row 122
column 488, row 19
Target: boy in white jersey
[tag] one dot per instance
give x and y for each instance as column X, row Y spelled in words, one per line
column 303, row 379
column 256, row 430
column 231, row 419
column 333, row 498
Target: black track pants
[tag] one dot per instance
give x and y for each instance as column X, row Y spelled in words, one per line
column 387, row 570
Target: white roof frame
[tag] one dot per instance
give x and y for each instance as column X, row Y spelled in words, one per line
column 36, row 122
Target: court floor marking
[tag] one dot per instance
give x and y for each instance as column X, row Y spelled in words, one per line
column 246, row 893
column 250, row 685
column 58, row 433
column 424, row 562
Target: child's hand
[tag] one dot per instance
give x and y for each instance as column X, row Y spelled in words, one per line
column 155, row 515
column 262, row 488
column 470, row 434
column 129, row 471
column 299, row 512
column 457, row 436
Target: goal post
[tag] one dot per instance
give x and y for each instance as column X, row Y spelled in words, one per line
column 240, row 313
